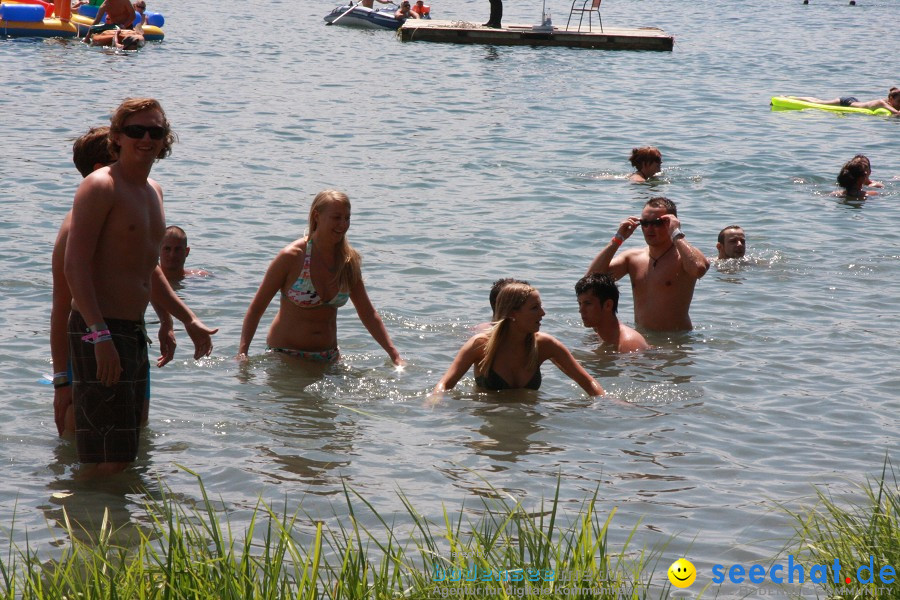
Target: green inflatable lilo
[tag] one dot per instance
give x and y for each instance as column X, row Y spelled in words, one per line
column 788, row 103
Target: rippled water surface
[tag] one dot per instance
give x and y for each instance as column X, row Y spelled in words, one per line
column 465, row 164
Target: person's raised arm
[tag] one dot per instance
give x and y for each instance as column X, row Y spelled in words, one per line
column 93, row 202
column 271, row 283
column 372, row 321
column 164, row 297
column 693, row 261
column 566, row 363
column 471, row 351
column 606, row 260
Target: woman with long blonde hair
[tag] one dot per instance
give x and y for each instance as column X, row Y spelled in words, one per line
column 316, row 274
column 510, row 354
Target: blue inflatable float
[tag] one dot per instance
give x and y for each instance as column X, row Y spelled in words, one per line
column 22, row 13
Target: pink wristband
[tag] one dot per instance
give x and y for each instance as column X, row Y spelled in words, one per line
column 95, row 337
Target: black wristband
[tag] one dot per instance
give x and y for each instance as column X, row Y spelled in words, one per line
column 61, row 385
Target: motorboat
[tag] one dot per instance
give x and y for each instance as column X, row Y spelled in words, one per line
column 356, row 15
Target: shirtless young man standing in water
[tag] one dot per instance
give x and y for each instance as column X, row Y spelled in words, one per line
column 663, row 274
column 111, row 255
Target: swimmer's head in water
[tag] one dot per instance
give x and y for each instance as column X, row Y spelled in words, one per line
column 645, row 155
column 854, row 173
column 602, row 287
column 732, row 243
column 894, row 97
column 174, row 249
column 499, row 285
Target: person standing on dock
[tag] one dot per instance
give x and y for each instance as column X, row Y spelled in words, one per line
column 663, row 274
column 496, row 15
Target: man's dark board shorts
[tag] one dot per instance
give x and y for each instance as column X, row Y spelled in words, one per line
column 108, row 419
column 847, row 100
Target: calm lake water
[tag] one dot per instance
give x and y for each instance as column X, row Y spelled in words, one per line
column 465, row 164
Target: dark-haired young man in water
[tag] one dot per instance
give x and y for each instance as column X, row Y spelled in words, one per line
column 598, row 302
column 663, row 274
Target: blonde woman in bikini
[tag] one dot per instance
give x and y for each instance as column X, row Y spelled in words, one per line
column 316, row 275
column 510, row 354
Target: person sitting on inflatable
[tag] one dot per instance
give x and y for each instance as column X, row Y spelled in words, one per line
column 891, row 103
column 420, row 9
column 119, row 13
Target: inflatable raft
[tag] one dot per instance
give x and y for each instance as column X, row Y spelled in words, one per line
column 788, row 103
column 369, row 18
column 32, row 18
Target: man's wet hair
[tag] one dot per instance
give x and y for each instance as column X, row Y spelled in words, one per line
column 721, row 238
column 601, row 285
column 499, row 285
column 663, row 202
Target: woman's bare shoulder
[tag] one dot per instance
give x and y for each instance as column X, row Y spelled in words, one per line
column 295, row 248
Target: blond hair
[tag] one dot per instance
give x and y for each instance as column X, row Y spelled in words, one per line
column 350, row 272
column 512, row 297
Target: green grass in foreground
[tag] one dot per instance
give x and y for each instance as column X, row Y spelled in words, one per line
column 870, row 527
column 193, row 553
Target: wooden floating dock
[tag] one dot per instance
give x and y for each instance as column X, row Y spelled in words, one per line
column 462, row 32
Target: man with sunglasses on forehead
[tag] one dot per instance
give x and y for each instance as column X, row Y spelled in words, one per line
column 110, row 259
column 663, row 274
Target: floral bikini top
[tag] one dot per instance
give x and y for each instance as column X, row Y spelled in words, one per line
column 303, row 293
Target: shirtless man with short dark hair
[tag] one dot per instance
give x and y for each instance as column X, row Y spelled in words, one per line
column 663, row 273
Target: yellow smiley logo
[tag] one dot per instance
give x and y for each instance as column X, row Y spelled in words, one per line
column 682, row 573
